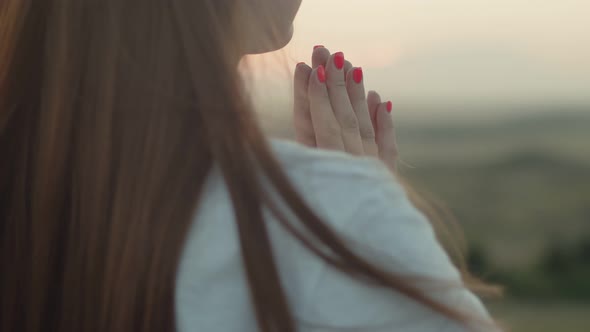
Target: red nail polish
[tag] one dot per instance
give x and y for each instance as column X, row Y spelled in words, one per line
column 357, row 75
column 322, row 74
column 389, row 107
column 339, row 60
column 318, row 46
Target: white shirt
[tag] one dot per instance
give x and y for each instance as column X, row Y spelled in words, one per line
column 358, row 197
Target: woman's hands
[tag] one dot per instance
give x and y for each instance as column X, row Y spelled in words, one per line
column 333, row 112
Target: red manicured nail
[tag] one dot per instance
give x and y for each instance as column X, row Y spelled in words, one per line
column 317, row 46
column 357, row 75
column 322, row 74
column 339, row 60
column 389, row 107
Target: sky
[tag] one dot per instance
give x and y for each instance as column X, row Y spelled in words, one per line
column 448, row 51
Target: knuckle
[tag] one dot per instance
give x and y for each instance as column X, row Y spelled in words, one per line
column 349, row 122
column 368, row 133
column 338, row 89
column 360, row 105
column 338, row 83
column 330, row 130
column 318, row 93
column 360, row 97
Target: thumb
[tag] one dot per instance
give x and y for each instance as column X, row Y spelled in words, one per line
column 302, row 121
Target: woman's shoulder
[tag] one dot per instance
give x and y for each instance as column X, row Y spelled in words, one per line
column 363, row 202
column 354, row 195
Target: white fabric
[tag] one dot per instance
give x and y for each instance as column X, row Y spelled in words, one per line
column 359, row 198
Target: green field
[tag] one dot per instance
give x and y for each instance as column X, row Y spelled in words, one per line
column 543, row 317
column 517, row 186
column 520, row 189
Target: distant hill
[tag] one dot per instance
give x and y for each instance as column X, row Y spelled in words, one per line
column 565, row 135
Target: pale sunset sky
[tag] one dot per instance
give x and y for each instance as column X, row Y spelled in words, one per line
column 447, row 51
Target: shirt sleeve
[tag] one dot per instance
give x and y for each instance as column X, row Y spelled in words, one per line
column 386, row 228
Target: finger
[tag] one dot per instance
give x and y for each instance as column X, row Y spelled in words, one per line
column 347, row 68
column 304, row 132
column 320, row 56
column 327, row 129
column 373, row 101
column 386, row 141
column 356, row 93
column 341, row 105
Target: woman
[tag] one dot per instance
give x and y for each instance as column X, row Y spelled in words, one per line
column 137, row 192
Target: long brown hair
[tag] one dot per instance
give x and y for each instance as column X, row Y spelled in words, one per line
column 112, row 114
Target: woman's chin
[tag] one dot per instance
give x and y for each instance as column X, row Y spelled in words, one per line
column 273, row 44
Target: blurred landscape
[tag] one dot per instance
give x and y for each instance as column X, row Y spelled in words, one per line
column 520, row 187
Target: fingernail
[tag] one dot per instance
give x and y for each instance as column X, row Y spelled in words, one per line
column 339, row 60
column 322, row 74
column 300, row 63
column 357, row 74
column 389, row 107
column 318, row 46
